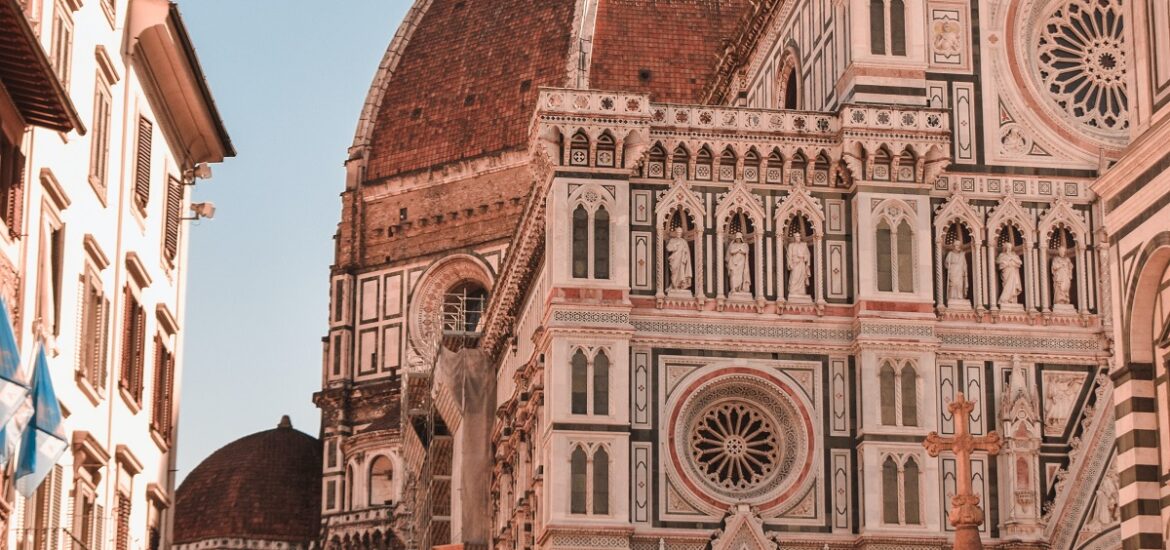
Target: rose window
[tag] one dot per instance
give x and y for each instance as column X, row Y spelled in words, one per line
column 741, row 437
column 735, row 445
column 1082, row 61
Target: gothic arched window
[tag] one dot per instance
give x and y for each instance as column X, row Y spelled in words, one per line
column 656, row 165
column 791, row 89
column 600, row 243
column 381, row 487
column 885, row 263
column 898, row 27
column 751, row 166
column 580, row 242
column 727, row 165
column 579, row 149
column 703, row 162
column 601, row 383
column 913, row 512
column 600, row 481
column 877, row 27
column 579, row 383
column 909, row 389
column 890, row 504
column 888, row 391
column 905, row 257
column 577, row 467
column 606, row 150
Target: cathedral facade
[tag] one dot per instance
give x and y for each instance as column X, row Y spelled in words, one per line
column 707, row 273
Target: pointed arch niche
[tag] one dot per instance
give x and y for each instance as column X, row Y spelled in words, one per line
column 1062, row 229
column 1009, row 223
column 958, row 222
column 800, row 214
column 740, row 214
column 680, row 213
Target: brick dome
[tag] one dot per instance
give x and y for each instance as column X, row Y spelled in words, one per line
column 265, row 486
column 461, row 77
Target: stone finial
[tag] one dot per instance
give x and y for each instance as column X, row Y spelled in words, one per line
column 285, row 422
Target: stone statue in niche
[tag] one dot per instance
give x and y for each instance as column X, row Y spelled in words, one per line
column 799, row 263
column 1062, row 275
column 679, row 251
column 1009, row 276
column 956, row 262
column 739, row 274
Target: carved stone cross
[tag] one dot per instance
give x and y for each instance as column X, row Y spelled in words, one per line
column 965, row 515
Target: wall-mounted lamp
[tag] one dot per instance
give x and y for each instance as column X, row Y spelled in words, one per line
column 199, row 171
column 202, row 211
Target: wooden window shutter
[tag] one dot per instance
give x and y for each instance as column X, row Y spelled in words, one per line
column 139, row 351
column 174, row 216
column 100, row 342
column 156, row 399
column 123, row 533
column 142, row 163
column 99, row 527
column 127, row 337
column 14, row 207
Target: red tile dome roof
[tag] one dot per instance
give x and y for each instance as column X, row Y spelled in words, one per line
column 265, row 486
column 461, row 78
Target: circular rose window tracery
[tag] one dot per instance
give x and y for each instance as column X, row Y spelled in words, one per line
column 742, row 435
column 1082, row 61
column 735, row 445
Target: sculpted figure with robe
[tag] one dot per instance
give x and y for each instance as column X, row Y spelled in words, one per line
column 799, row 262
column 679, row 257
column 1009, row 274
column 738, row 268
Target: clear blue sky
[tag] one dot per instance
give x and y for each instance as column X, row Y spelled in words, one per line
column 289, row 78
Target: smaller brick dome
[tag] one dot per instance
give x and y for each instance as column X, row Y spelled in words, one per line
column 265, row 486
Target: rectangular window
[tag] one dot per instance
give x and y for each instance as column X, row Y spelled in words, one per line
column 122, row 540
column 92, row 348
column 133, row 347
column 142, row 164
column 331, row 495
column 338, row 304
column 100, row 135
column 174, row 217
column 84, row 516
column 11, row 185
column 61, row 47
column 52, row 261
column 336, row 351
column 42, row 517
column 164, row 387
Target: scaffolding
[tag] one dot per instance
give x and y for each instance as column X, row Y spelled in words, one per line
column 460, row 319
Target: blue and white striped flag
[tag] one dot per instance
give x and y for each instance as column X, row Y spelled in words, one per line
column 43, row 441
column 14, row 386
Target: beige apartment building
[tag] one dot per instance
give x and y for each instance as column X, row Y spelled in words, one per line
column 107, row 123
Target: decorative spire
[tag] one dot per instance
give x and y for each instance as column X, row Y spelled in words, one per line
column 285, row 423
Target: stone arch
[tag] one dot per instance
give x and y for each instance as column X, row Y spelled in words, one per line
column 789, row 91
column 426, row 302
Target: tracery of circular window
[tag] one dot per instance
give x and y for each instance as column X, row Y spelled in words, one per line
column 1082, row 62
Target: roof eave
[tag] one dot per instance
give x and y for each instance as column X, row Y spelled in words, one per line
column 45, row 104
column 161, row 49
